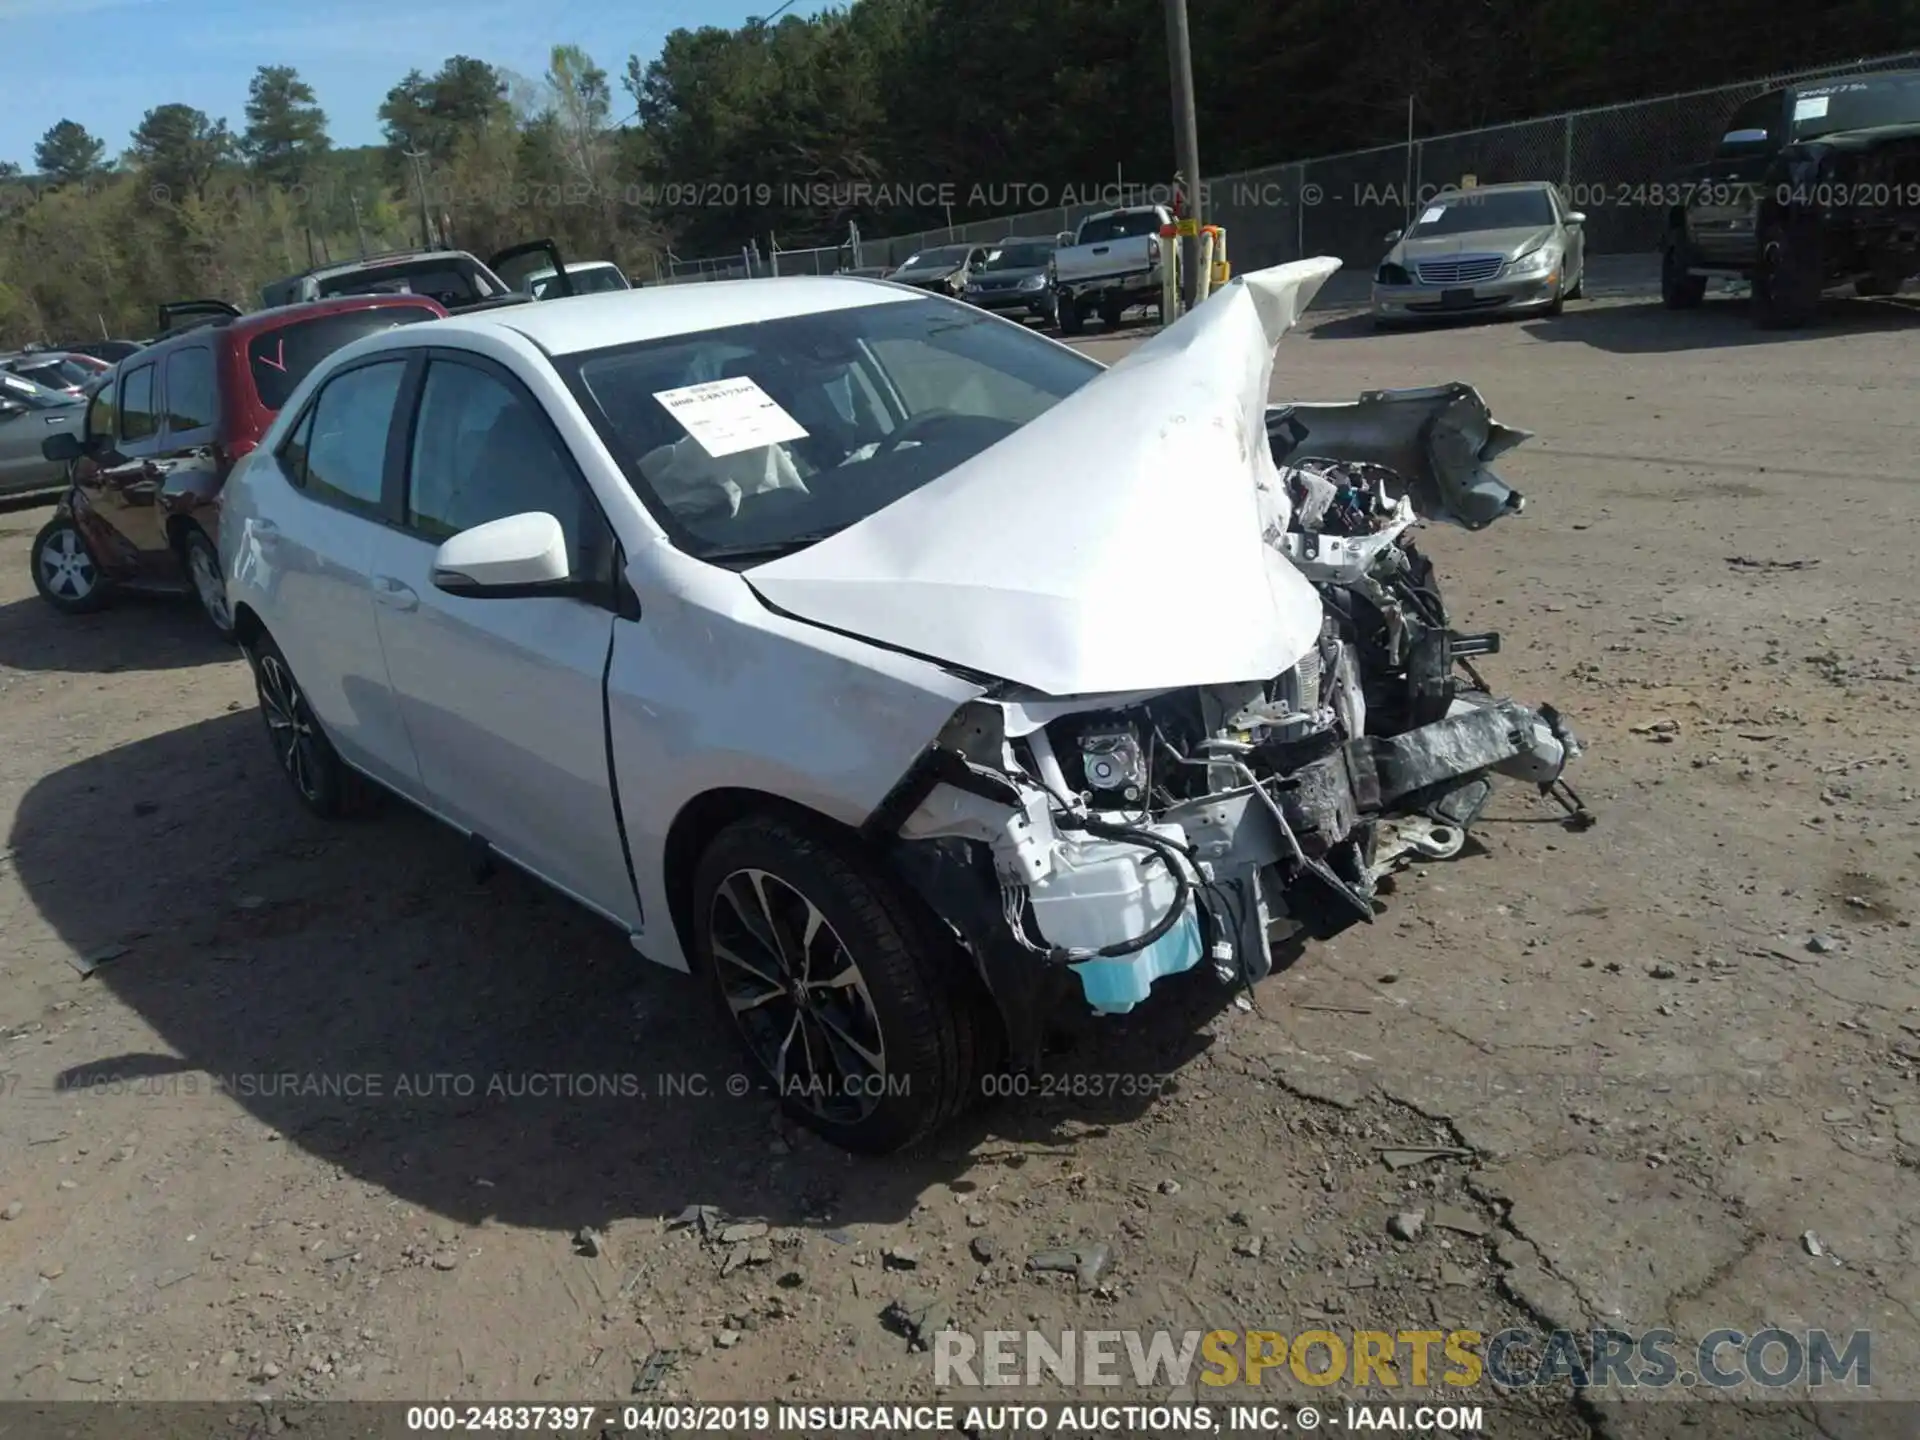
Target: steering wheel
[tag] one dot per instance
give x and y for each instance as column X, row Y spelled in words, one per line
column 912, row 430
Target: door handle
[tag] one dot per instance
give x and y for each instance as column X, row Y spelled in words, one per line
column 391, row 593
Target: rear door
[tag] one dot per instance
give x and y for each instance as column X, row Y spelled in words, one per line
column 503, row 698
column 518, row 262
column 190, row 465
column 309, row 546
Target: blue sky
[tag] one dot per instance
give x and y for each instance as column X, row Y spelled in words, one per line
column 106, row 62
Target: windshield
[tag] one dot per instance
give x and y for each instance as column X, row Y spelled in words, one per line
column 1019, row 257
column 755, row 441
column 34, row 397
column 1856, row 105
column 279, row 359
column 1466, row 211
column 55, row 374
column 929, row 259
column 1128, row 225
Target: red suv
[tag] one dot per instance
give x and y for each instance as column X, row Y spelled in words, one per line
column 159, row 440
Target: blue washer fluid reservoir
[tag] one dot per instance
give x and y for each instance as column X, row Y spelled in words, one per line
column 1115, row 986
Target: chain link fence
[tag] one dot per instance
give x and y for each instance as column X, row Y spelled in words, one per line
column 1618, row 164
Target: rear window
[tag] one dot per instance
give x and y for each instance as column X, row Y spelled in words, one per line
column 1128, row 225
column 280, row 359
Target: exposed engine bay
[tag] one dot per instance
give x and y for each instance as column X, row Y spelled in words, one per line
column 1128, row 837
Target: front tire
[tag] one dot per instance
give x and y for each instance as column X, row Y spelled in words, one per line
column 1787, row 281
column 202, row 564
column 839, row 986
column 64, row 570
column 326, row 784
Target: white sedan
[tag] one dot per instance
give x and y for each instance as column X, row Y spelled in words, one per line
column 869, row 654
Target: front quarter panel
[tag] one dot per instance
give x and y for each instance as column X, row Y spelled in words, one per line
column 709, row 690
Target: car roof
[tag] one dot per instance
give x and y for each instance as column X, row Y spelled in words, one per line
column 573, row 324
column 1846, row 78
column 1503, row 187
column 376, row 262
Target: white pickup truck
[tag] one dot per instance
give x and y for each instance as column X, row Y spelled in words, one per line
column 1109, row 265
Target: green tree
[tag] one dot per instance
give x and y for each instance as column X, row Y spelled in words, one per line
column 582, row 104
column 9, row 170
column 433, row 114
column 178, row 147
column 286, row 130
column 67, row 153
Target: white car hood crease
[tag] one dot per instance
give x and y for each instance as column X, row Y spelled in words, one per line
column 1115, row 543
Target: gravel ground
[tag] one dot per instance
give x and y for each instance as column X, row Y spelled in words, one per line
column 316, row 1126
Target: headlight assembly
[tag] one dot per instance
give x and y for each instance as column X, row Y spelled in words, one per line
column 1536, row 262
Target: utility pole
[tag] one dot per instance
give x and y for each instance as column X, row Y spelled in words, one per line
column 1186, row 140
column 414, row 157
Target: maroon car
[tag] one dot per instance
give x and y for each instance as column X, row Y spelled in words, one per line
column 159, row 440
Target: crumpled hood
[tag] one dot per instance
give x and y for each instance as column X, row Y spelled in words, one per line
column 1078, row 555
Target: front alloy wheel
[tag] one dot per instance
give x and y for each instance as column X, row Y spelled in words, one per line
column 64, row 572
column 798, row 997
column 844, row 991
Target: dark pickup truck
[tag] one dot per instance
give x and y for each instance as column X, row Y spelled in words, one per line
column 1811, row 187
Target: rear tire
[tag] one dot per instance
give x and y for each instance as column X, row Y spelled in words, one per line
column 1072, row 321
column 839, row 986
column 1111, row 313
column 1678, row 289
column 326, row 784
column 202, row 563
column 64, row 570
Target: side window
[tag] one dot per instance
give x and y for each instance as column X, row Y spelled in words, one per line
column 346, row 440
column 137, row 420
column 190, row 390
column 483, row 451
column 929, row 378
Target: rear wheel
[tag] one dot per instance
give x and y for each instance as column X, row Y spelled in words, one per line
column 841, row 989
column 1110, row 313
column 325, row 783
column 1678, row 289
column 64, row 571
column 203, row 569
column 1072, row 322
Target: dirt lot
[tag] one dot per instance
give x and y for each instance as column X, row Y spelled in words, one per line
column 318, row 1127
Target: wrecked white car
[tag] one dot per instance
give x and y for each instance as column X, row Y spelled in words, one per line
column 901, row 670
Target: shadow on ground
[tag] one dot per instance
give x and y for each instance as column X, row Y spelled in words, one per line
column 355, row 990
column 1648, row 328
column 136, row 632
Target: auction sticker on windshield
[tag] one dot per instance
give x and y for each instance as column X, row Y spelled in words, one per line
column 1810, row 107
column 1434, row 212
column 728, row 416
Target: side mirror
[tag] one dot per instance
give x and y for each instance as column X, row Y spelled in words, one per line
column 519, row 556
column 62, row 446
column 1576, row 217
column 1064, row 238
column 1394, row 236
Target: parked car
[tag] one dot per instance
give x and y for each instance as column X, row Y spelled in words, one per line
column 868, row 272
column 586, row 277
column 1811, row 187
column 1109, row 265
column 157, row 444
column 943, row 270
column 808, row 633
column 30, row 414
column 111, row 351
column 1515, row 248
column 56, row 369
column 1016, row 276
column 452, row 279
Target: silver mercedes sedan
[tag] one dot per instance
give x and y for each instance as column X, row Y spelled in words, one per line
column 1514, row 248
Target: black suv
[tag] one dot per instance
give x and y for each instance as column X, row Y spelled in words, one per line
column 453, row 279
column 1812, row 186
